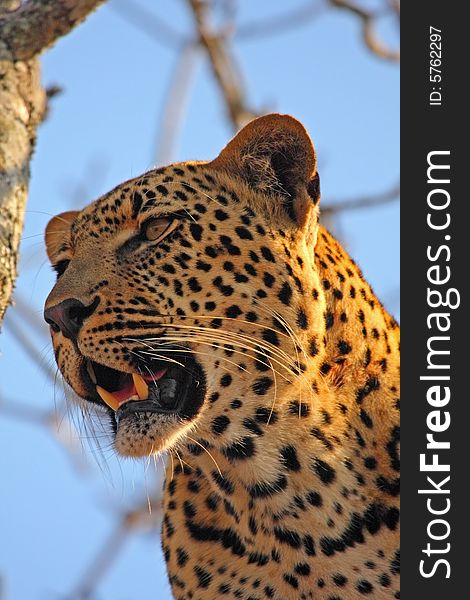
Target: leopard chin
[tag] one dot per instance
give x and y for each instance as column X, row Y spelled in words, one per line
column 142, row 433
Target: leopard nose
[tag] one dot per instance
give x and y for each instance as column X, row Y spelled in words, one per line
column 68, row 316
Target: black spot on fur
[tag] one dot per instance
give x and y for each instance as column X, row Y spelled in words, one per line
column 224, row 484
column 395, row 564
column 288, row 537
column 364, row 587
column 221, row 215
column 265, row 415
column 265, row 489
column 196, row 231
column 289, row 457
column 270, row 336
column 365, row 418
column 291, row 580
column 344, row 347
column 371, row 384
column 339, row 580
column 302, row 320
column 329, row 319
column 268, row 280
column 181, row 557
column 301, row 410
column 309, row 545
column 240, row 450
column 370, row 462
column 243, row 233
column 220, row 424
column 252, row 426
column 324, row 471
column 315, row 499
column 285, row 294
column 313, row 348
column 262, row 385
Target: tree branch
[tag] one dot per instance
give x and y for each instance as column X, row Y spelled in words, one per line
column 362, row 202
column 144, row 516
column 177, row 97
column 368, row 29
column 297, row 17
column 37, row 24
column 223, row 66
column 24, row 340
column 147, row 22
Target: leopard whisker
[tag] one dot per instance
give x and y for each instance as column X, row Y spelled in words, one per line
column 198, row 352
column 290, row 331
column 163, row 358
column 225, row 318
column 274, row 392
column 273, row 349
column 172, row 470
column 159, row 356
column 154, row 353
column 189, row 215
column 182, row 462
column 214, row 345
column 295, row 342
column 235, row 335
column 299, row 374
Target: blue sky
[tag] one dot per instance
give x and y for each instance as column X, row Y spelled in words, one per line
column 105, row 128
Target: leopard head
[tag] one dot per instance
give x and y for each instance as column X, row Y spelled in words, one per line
column 192, row 288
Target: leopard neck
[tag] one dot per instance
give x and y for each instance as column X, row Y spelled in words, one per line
column 342, row 413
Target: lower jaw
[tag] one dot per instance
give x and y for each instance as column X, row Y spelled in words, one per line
column 144, row 433
column 143, row 428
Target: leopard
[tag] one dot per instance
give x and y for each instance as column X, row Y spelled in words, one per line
column 203, row 310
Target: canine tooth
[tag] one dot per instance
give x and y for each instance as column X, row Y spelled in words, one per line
column 91, row 372
column 141, row 386
column 107, row 397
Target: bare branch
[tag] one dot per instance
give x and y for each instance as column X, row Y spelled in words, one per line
column 363, row 202
column 368, row 30
column 171, row 121
column 223, row 66
column 54, row 423
column 295, row 18
column 395, row 6
column 101, row 563
column 147, row 22
column 23, row 412
column 37, row 24
column 33, row 320
column 29, row 348
column 140, row 517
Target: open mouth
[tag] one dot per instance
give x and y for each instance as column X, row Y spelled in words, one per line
column 176, row 388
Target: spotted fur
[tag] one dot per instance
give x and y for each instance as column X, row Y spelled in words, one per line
column 287, row 484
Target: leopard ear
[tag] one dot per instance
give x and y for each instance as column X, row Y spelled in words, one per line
column 57, row 232
column 275, row 156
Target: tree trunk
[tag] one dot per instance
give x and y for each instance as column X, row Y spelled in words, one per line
column 25, row 30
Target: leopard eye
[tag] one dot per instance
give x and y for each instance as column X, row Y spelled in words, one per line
column 155, row 229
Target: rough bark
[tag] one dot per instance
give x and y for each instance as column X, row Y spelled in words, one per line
column 25, row 30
